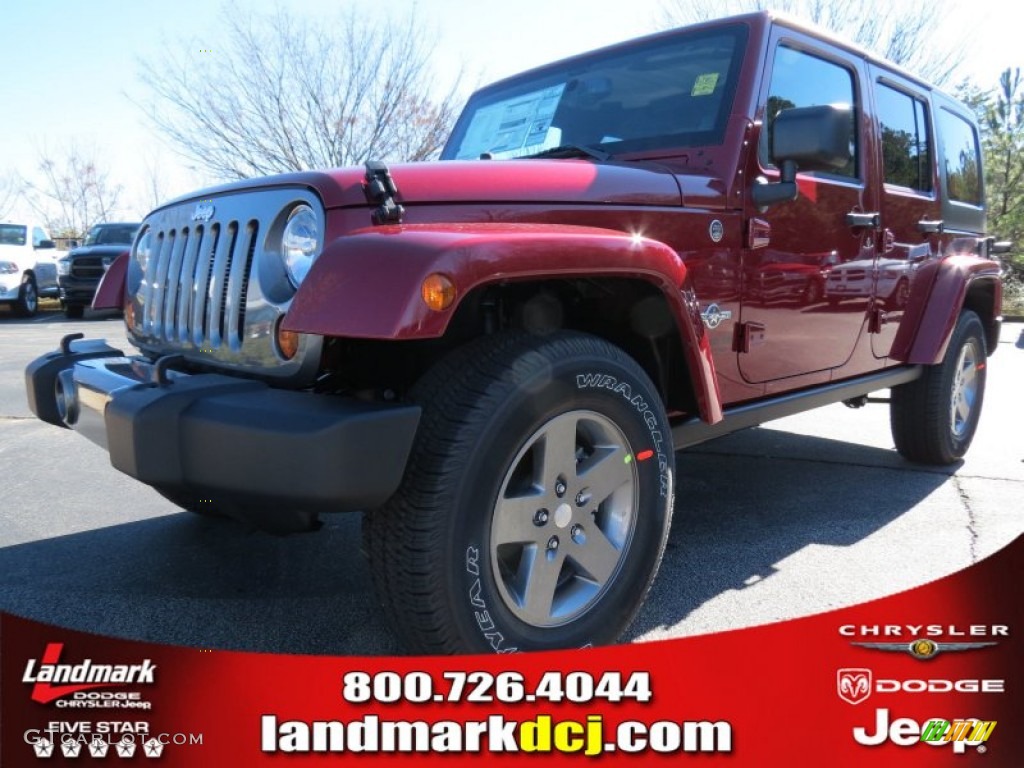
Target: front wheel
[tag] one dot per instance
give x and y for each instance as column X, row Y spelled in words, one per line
column 536, row 504
column 74, row 311
column 934, row 418
column 28, row 297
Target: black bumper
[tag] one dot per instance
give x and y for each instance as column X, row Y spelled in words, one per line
column 77, row 290
column 239, row 444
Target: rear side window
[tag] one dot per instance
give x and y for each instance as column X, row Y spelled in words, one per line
column 906, row 150
column 961, row 158
column 802, row 80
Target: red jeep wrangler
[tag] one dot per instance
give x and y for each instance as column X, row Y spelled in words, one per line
column 495, row 356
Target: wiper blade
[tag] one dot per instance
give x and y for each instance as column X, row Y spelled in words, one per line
column 570, row 150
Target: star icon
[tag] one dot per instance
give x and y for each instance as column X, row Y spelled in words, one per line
column 71, row 748
column 154, row 748
column 125, row 748
column 43, row 748
column 98, row 747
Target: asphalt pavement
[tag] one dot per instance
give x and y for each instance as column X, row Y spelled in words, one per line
column 803, row 515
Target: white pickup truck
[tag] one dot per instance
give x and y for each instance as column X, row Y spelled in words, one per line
column 28, row 266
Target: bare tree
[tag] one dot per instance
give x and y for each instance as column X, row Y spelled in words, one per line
column 286, row 94
column 904, row 35
column 10, row 188
column 72, row 191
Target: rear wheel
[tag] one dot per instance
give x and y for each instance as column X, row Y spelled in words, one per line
column 934, row 418
column 536, row 504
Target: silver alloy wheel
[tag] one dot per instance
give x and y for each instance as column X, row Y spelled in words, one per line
column 965, row 389
column 564, row 518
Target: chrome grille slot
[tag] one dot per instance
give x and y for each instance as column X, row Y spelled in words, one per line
column 218, row 286
column 149, row 285
column 160, row 287
column 237, row 286
column 200, row 282
column 173, row 284
column 185, row 299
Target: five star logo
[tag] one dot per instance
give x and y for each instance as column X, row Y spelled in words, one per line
column 98, row 747
column 125, row 748
column 153, row 748
column 43, row 748
column 71, row 748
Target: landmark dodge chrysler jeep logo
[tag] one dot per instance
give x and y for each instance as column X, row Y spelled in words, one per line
column 79, row 677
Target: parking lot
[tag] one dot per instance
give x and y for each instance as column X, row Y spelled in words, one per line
column 806, row 514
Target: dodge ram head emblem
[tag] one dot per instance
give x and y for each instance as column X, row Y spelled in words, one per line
column 853, row 685
column 203, row 212
column 713, row 316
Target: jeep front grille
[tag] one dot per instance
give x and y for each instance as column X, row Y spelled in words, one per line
column 196, row 284
column 214, row 287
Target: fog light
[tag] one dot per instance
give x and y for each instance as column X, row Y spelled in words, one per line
column 287, row 342
column 438, row 292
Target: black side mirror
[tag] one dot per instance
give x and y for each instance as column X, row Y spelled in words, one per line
column 808, row 139
column 46, row 244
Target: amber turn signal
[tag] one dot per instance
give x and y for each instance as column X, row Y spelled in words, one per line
column 129, row 314
column 287, row 342
column 438, row 292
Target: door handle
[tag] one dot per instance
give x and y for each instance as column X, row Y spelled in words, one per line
column 936, row 227
column 861, row 220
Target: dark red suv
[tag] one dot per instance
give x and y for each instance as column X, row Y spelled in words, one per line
column 496, row 356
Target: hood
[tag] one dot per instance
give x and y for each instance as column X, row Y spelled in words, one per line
column 100, row 250
column 509, row 181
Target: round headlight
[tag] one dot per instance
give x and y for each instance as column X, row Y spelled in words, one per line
column 300, row 243
column 142, row 250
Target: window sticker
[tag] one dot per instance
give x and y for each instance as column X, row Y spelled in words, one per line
column 517, row 126
column 704, row 85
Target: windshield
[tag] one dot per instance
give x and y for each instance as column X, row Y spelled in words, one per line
column 13, row 234
column 670, row 92
column 112, row 234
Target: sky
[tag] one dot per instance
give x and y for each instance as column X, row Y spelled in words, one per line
column 69, row 68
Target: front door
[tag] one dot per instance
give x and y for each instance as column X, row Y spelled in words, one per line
column 807, row 271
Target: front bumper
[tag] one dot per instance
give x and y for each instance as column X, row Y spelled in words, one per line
column 77, row 290
column 249, row 449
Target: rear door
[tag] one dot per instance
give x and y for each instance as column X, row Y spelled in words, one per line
column 911, row 222
column 793, row 323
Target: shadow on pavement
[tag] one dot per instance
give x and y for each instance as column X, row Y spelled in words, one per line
column 193, row 581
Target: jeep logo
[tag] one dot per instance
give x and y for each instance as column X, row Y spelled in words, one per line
column 203, row 212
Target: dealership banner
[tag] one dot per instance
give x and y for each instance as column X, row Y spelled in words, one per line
column 928, row 677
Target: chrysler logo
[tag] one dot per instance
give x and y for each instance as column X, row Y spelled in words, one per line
column 203, row 212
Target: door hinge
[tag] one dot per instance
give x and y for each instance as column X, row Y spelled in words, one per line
column 748, row 336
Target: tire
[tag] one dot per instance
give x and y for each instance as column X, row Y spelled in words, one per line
column 74, row 311
column 192, row 504
column 27, row 303
column 934, row 418
column 493, row 542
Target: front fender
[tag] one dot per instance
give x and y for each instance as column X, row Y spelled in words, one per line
column 926, row 329
column 367, row 284
column 110, row 291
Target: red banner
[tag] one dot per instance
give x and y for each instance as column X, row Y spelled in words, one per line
column 929, row 677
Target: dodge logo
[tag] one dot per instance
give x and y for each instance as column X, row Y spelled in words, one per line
column 203, row 212
column 853, row 685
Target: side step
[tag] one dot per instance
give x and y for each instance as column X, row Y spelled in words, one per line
column 692, row 431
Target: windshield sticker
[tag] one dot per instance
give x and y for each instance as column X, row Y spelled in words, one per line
column 514, row 127
column 704, row 85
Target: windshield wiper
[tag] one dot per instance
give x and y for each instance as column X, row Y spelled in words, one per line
column 570, row 150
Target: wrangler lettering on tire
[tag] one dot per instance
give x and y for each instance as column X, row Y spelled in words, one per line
column 535, row 508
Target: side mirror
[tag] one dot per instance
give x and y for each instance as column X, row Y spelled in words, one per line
column 45, row 244
column 808, row 139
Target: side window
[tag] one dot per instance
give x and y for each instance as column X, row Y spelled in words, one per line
column 37, row 236
column 961, row 157
column 802, row 80
column 906, row 151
